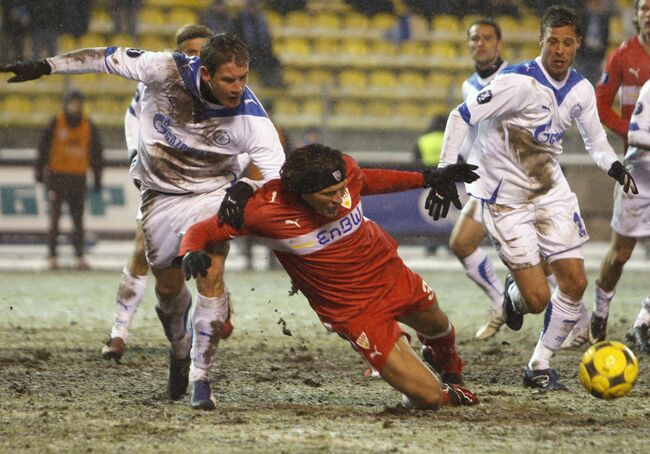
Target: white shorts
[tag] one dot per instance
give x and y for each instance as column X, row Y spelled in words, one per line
column 473, row 209
column 166, row 217
column 549, row 226
column 631, row 216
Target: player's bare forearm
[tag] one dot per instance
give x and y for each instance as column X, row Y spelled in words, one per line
column 203, row 233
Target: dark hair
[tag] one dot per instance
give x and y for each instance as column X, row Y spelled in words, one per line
column 192, row 31
column 560, row 16
column 73, row 95
column 486, row 21
column 221, row 49
column 635, row 17
column 312, row 168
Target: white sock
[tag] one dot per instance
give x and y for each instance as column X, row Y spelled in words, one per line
column 129, row 295
column 583, row 321
column 552, row 281
column 601, row 301
column 173, row 316
column 480, row 269
column 561, row 315
column 204, row 344
column 644, row 314
column 517, row 299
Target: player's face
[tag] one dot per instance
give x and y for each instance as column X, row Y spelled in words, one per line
column 483, row 45
column 643, row 17
column 559, row 47
column 192, row 47
column 227, row 83
column 327, row 201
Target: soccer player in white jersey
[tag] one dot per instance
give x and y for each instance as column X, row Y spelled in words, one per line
column 528, row 208
column 484, row 45
column 631, row 216
column 198, row 115
column 133, row 282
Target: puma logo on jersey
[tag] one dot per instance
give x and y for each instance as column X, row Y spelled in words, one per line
column 292, row 222
column 634, row 71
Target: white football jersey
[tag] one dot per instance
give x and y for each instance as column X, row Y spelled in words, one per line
column 186, row 144
column 638, row 134
column 471, row 86
column 528, row 113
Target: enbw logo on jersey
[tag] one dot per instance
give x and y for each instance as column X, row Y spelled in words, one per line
column 341, row 227
column 484, row 97
column 542, row 136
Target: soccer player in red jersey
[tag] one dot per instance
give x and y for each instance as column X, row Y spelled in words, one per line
column 347, row 266
column 627, row 69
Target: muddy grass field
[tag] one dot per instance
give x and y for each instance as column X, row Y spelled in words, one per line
column 282, row 383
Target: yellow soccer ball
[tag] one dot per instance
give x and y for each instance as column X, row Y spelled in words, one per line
column 608, row 370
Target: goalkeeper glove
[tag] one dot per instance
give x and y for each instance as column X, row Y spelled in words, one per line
column 28, row 70
column 618, row 172
column 196, row 263
column 231, row 211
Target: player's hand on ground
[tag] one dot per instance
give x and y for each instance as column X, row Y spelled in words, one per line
column 440, row 199
column 28, row 70
column 459, row 395
column 461, row 172
column 618, row 172
column 196, row 263
column 231, row 211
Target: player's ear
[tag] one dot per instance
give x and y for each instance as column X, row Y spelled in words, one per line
column 205, row 75
column 579, row 42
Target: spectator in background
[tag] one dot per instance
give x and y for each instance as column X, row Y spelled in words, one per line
column 595, row 20
column 15, row 25
column 313, row 134
column 76, row 17
column 284, row 6
column 429, row 144
column 372, row 7
column 69, row 146
column 253, row 29
column 218, row 19
column 46, row 17
column 126, row 17
column 430, row 8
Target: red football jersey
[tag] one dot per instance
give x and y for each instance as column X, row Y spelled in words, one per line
column 341, row 265
column 627, row 69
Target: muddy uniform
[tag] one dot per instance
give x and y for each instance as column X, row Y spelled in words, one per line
column 627, row 69
column 347, row 268
column 471, row 86
column 187, row 147
column 528, row 206
column 631, row 217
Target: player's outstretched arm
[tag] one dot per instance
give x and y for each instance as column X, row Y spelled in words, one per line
column 443, row 193
column 24, row 71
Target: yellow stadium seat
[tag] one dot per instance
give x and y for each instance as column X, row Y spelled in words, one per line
column 327, row 46
column 17, row 104
column 383, row 79
column 445, row 23
column 616, row 27
column 151, row 16
column 349, row 107
column 355, row 47
column 91, row 40
column 378, row 108
column 320, row 77
column 67, row 43
column 293, row 76
column 352, row 78
column 411, row 80
column 467, row 20
column 49, row 104
column 414, row 48
column 410, row 109
column 182, row 16
column 296, row 46
column 286, row 106
column 122, row 41
column 384, row 48
column 439, row 80
column 356, row 21
column 509, row 24
column 382, row 21
column 328, row 21
column 274, row 20
column 298, row 19
column 313, row 106
column 155, row 43
column 528, row 51
column 443, row 49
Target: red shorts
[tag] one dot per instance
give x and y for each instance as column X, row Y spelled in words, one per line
column 375, row 330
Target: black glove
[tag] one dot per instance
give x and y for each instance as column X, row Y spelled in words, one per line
column 462, row 172
column 28, row 70
column 440, row 199
column 196, row 263
column 618, row 172
column 231, row 211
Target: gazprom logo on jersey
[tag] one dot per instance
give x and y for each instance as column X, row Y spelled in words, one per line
column 161, row 124
column 337, row 229
column 543, row 135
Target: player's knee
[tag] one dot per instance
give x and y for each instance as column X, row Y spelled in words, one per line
column 574, row 287
column 537, row 300
column 431, row 400
column 459, row 248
